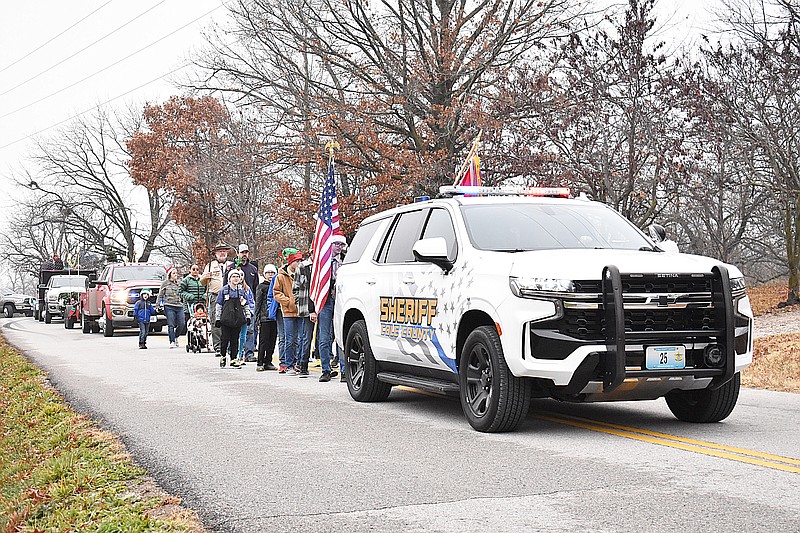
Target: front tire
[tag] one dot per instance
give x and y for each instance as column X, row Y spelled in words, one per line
column 361, row 367
column 493, row 400
column 48, row 317
column 108, row 325
column 86, row 325
column 705, row 405
column 8, row 311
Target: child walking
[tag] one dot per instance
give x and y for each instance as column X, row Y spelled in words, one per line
column 142, row 311
column 231, row 315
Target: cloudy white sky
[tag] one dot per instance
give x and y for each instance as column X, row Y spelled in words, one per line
column 62, row 58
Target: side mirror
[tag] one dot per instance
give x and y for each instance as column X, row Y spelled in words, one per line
column 95, row 283
column 433, row 250
column 657, row 232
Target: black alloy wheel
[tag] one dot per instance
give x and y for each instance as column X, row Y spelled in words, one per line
column 361, row 367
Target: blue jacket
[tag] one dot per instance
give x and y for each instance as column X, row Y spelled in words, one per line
column 274, row 305
column 142, row 311
column 247, row 294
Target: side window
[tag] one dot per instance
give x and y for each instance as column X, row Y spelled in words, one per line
column 402, row 236
column 360, row 241
column 441, row 225
column 104, row 275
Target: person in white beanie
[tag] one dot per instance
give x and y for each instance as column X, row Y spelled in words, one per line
column 265, row 314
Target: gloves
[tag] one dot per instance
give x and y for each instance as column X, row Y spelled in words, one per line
column 217, row 324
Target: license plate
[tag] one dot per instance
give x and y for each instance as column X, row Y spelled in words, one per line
column 669, row 357
column 153, row 318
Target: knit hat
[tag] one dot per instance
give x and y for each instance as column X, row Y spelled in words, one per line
column 170, row 270
column 270, row 268
column 237, row 273
column 338, row 238
column 296, row 256
column 288, row 251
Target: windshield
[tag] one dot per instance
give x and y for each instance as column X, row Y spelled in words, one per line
column 524, row 227
column 143, row 272
column 68, row 281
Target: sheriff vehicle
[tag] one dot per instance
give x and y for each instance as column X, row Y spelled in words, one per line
column 503, row 295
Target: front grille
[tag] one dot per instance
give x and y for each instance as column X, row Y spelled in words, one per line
column 590, row 324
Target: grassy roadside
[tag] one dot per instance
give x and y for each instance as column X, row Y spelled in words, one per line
column 776, row 359
column 59, row 472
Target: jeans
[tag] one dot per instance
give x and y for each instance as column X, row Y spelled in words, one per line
column 249, row 342
column 144, row 327
column 267, row 335
column 242, row 338
column 216, row 333
column 294, row 328
column 176, row 321
column 325, row 334
column 304, row 339
column 281, row 338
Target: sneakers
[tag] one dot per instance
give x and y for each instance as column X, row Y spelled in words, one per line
column 270, row 367
column 282, row 369
column 176, row 344
column 291, row 371
column 236, row 364
column 241, row 362
column 334, row 373
column 251, row 359
column 222, row 361
column 142, row 346
column 335, row 360
column 172, row 345
column 260, row 369
column 303, row 372
column 325, row 377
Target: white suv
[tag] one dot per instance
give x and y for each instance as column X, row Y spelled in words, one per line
column 500, row 296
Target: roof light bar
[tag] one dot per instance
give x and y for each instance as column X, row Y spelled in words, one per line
column 473, row 190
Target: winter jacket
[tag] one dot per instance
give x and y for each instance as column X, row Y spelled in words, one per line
column 283, row 293
column 264, row 301
column 143, row 310
column 192, row 291
column 274, row 305
column 301, row 287
column 250, row 271
column 169, row 294
column 229, row 292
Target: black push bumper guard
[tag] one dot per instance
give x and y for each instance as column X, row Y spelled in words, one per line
column 613, row 364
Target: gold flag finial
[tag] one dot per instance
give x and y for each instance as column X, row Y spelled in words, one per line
column 330, row 146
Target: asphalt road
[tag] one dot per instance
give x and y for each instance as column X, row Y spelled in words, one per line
column 266, row 452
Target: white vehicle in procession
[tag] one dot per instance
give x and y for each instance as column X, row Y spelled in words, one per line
column 503, row 295
column 61, row 291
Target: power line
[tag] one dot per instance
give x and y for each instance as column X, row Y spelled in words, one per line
column 111, row 65
column 98, row 106
column 82, row 49
column 54, row 38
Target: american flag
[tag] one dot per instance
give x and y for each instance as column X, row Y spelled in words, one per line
column 327, row 226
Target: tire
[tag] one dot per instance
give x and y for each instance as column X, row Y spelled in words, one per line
column 29, row 314
column 69, row 322
column 157, row 329
column 95, row 327
column 705, row 405
column 36, row 315
column 8, row 311
column 48, row 317
column 361, row 367
column 493, row 400
column 108, row 325
column 86, row 325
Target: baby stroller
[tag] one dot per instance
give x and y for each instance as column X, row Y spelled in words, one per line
column 198, row 329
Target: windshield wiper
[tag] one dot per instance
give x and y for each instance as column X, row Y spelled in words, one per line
column 649, row 249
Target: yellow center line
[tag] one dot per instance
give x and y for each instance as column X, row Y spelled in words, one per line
column 672, row 444
column 704, row 444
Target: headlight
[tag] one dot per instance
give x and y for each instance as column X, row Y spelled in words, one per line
column 525, row 287
column 119, row 297
column 737, row 284
column 52, row 297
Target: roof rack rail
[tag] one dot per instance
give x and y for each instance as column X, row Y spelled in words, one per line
column 474, row 190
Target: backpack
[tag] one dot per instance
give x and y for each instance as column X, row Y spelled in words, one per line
column 232, row 313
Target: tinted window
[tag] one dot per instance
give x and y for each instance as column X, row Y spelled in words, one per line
column 139, row 272
column 440, row 225
column 360, row 242
column 521, row 227
column 402, row 236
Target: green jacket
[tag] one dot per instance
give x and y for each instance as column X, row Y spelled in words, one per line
column 192, row 291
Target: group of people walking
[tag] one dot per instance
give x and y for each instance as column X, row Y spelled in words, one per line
column 246, row 309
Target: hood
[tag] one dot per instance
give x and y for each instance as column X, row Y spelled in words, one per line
column 136, row 284
column 589, row 264
column 62, row 290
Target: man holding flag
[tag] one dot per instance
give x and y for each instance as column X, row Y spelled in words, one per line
column 327, row 246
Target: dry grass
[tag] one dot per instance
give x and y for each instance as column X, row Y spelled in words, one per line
column 765, row 298
column 776, row 364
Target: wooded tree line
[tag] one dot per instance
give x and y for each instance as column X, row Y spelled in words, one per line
column 701, row 140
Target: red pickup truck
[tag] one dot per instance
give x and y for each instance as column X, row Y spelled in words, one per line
column 108, row 303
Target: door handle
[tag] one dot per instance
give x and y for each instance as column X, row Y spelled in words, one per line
column 408, row 280
column 370, row 281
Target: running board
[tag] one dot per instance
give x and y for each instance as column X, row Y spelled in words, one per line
column 438, row 386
